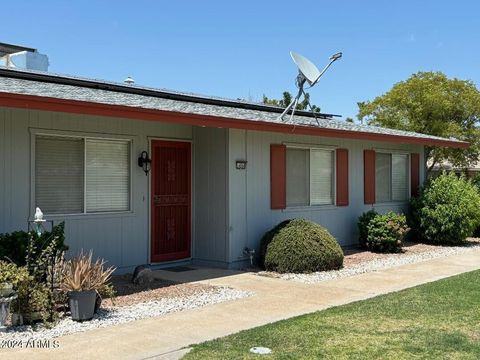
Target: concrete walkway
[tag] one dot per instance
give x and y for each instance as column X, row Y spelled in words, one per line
column 275, row 299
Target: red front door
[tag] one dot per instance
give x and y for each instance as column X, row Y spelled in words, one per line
column 171, row 199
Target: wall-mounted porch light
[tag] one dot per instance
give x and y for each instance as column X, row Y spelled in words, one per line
column 144, row 162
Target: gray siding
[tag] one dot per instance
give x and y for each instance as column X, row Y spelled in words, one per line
column 231, row 208
column 122, row 238
column 250, row 213
column 211, row 211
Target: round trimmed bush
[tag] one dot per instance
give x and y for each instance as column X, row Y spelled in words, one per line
column 363, row 222
column 301, row 246
column 267, row 239
column 386, row 232
column 446, row 212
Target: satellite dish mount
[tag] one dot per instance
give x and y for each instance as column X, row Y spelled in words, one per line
column 307, row 73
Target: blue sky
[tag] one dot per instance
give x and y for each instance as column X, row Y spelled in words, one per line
column 241, row 49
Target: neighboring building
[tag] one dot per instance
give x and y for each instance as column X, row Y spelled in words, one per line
column 471, row 171
column 22, row 57
column 222, row 173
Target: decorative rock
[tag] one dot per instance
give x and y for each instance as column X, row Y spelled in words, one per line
column 143, row 275
column 119, row 315
column 392, row 260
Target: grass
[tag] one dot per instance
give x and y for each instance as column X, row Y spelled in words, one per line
column 439, row 320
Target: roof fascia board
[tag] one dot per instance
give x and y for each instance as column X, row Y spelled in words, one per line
column 121, row 111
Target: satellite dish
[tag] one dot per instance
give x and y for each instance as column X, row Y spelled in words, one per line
column 307, row 72
column 306, row 67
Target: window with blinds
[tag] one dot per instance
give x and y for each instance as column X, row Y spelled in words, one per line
column 298, row 178
column 81, row 175
column 107, row 175
column 321, row 177
column 310, row 177
column 383, row 178
column 399, row 177
column 59, row 175
column 391, row 177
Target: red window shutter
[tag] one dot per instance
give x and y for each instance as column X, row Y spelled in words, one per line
column 369, row 176
column 342, row 177
column 414, row 173
column 278, row 176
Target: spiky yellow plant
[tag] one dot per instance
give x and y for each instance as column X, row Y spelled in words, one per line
column 81, row 274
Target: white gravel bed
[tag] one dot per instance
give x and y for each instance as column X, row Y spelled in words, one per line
column 391, row 261
column 119, row 315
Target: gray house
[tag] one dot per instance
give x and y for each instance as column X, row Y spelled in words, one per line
column 221, row 172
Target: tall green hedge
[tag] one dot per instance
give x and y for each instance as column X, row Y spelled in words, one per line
column 13, row 246
column 446, row 212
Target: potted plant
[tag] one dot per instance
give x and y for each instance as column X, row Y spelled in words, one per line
column 7, row 272
column 82, row 280
column 12, row 280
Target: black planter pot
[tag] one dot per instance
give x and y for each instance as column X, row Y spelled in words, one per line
column 82, row 304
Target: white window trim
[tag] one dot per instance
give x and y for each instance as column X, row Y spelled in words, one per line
column 80, row 135
column 334, row 177
column 396, row 152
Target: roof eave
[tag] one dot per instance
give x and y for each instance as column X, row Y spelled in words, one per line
column 90, row 108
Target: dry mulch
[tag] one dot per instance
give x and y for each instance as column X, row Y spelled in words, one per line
column 128, row 293
column 358, row 255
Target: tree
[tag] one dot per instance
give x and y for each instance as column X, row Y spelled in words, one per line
column 287, row 98
column 430, row 103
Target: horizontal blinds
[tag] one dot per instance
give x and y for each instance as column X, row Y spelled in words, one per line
column 321, row 177
column 399, row 177
column 107, row 175
column 382, row 177
column 298, row 178
column 59, row 174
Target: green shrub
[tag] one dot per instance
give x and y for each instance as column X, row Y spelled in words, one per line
column 386, row 232
column 267, row 239
column 33, row 297
column 12, row 274
column 13, row 246
column 301, row 246
column 362, row 224
column 446, row 212
column 476, row 182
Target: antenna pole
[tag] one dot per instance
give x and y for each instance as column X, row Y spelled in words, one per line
column 287, row 108
column 332, row 60
column 293, row 104
column 311, row 108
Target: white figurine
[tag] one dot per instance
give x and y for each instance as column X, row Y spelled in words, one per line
column 38, row 215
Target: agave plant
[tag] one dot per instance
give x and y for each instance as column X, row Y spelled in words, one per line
column 81, row 274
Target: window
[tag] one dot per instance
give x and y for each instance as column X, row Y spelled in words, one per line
column 81, row 175
column 391, row 177
column 310, row 177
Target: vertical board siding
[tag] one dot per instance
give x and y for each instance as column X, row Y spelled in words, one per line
column 342, row 177
column 250, row 209
column 278, row 176
column 414, row 173
column 210, row 189
column 123, row 238
column 369, row 176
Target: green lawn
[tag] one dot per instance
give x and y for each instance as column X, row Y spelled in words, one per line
column 440, row 320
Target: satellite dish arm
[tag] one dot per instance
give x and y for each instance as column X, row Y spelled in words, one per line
column 333, row 58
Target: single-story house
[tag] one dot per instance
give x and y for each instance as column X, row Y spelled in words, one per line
column 222, row 172
column 471, row 171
